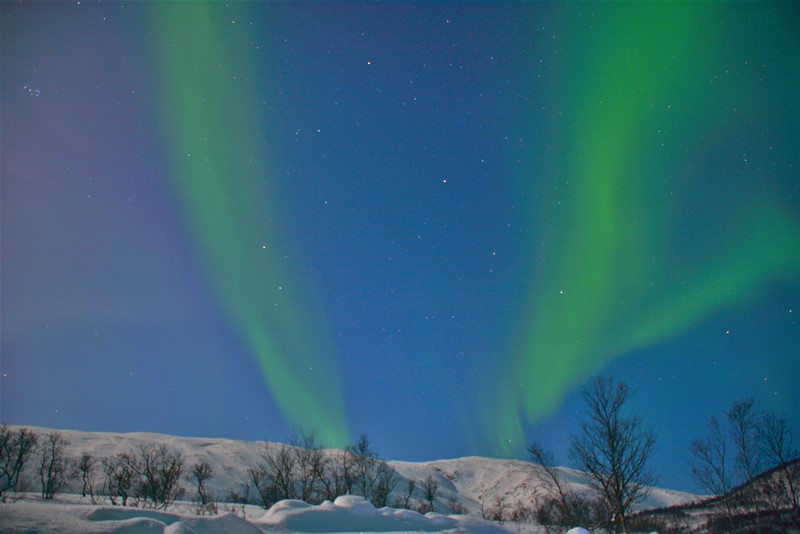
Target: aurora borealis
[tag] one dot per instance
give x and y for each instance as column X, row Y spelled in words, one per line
column 616, row 272
column 428, row 223
column 222, row 182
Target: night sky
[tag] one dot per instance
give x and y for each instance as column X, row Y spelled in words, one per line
column 428, row 223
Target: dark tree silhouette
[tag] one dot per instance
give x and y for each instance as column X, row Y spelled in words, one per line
column 429, row 488
column 53, row 465
column 119, row 477
column 613, row 449
column 199, row 474
column 159, row 470
column 731, row 463
column 709, row 465
column 15, row 449
column 779, row 451
column 563, row 507
column 86, row 466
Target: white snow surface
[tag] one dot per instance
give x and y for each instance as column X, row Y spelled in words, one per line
column 349, row 513
column 473, row 482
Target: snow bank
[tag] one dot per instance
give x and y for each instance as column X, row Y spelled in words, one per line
column 354, row 514
column 119, row 519
column 346, row 514
column 57, row 517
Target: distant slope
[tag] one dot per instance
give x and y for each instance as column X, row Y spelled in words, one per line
column 708, row 514
column 469, row 481
column 476, row 480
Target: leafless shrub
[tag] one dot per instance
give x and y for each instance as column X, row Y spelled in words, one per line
column 422, row 507
column 429, row 489
column 405, row 500
column 562, row 507
column 371, row 477
column 274, row 476
column 120, row 477
column 455, row 506
column 498, row 511
column 85, row 467
column 521, row 513
column 236, row 501
column 386, row 482
column 204, row 502
column 159, row 470
column 302, row 470
column 338, row 476
column 310, row 467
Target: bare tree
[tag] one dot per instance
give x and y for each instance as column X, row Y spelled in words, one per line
column 743, row 420
column 274, row 477
column 385, row 483
column 363, row 459
column 523, row 513
column 265, row 486
column 280, row 465
column 338, row 477
column 709, row 465
column 778, row 450
column 744, row 423
column 53, row 465
column 562, row 507
column 310, row 466
column 159, row 470
column 730, row 463
column 199, row 474
column 406, row 502
column 119, row 477
column 455, row 506
column 86, row 466
column 15, row 449
column 613, row 449
column 429, row 488
column 302, row 470
column 498, row 510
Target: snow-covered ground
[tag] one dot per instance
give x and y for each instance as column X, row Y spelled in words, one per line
column 70, row 513
column 473, row 483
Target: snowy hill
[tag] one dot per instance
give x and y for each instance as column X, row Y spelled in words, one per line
column 473, row 484
column 476, row 480
column 471, row 480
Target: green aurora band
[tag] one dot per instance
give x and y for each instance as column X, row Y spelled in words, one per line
column 629, row 250
column 217, row 150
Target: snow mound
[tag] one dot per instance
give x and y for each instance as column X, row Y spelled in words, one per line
column 120, row 520
column 32, row 514
column 352, row 513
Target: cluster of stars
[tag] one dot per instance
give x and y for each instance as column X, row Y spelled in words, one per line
column 30, row 90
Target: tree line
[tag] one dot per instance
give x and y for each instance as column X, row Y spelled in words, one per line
column 155, row 476
column 151, row 475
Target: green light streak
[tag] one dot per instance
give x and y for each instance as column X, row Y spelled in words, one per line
column 221, row 170
column 609, row 279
